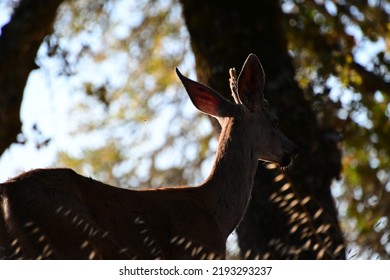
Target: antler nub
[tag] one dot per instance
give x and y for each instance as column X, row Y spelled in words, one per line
column 233, row 85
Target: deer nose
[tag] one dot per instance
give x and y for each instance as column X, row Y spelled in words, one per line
column 292, row 150
column 295, row 151
column 290, row 155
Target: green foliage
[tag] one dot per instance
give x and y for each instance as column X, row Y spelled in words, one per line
column 341, row 50
column 100, row 162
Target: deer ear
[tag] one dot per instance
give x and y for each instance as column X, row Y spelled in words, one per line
column 206, row 99
column 251, row 83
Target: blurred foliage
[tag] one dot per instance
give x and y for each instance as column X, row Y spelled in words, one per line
column 134, row 115
column 342, row 54
column 137, row 127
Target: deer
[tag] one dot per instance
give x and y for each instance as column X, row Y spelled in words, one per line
column 58, row 214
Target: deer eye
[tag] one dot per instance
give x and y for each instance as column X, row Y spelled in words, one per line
column 275, row 123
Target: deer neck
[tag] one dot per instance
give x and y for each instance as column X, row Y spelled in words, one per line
column 231, row 179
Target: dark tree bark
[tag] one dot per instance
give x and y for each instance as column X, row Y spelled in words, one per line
column 282, row 222
column 19, row 43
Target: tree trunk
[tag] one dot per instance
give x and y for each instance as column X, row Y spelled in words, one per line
column 282, row 221
column 19, row 43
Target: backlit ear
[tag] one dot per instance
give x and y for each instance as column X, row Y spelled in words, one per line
column 251, row 83
column 206, row 99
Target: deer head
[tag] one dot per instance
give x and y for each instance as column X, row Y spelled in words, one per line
column 251, row 107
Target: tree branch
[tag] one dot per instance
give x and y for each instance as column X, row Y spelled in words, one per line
column 20, row 40
column 371, row 82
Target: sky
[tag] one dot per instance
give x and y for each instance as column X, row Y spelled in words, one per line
column 50, row 112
